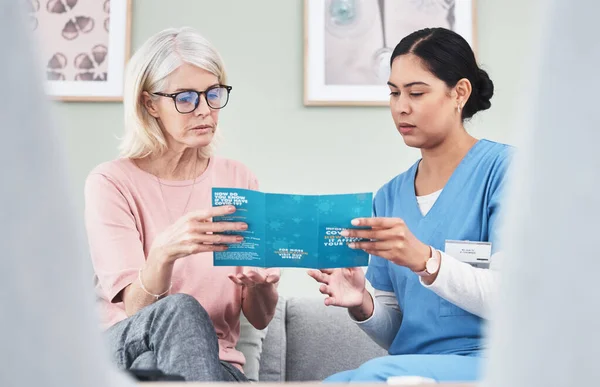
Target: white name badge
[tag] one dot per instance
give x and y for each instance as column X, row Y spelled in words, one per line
column 476, row 254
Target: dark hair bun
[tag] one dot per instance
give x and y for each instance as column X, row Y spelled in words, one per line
column 485, row 90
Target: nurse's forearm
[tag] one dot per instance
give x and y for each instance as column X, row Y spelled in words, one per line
column 364, row 310
column 385, row 322
column 467, row 287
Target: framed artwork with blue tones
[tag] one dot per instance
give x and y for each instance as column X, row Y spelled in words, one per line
column 348, row 44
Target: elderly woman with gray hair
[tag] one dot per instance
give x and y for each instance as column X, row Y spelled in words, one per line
column 148, row 219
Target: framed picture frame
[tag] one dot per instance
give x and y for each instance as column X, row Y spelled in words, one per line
column 84, row 46
column 348, row 44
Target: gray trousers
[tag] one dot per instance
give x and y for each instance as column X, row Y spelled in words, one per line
column 174, row 335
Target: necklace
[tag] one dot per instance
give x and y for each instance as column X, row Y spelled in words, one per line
column 162, row 195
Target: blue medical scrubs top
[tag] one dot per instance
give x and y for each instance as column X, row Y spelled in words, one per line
column 468, row 208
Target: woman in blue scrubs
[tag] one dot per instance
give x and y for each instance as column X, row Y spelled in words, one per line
column 432, row 283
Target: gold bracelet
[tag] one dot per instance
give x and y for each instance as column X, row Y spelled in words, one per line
column 157, row 296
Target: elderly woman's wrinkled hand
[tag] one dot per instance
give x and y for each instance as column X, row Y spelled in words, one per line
column 256, row 277
column 196, row 233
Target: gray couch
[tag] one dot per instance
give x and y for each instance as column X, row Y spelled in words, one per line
column 305, row 341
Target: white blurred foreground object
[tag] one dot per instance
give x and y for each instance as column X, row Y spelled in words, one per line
column 49, row 333
column 409, row 381
column 545, row 331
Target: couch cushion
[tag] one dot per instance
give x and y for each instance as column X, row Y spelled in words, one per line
column 322, row 341
column 250, row 344
column 272, row 360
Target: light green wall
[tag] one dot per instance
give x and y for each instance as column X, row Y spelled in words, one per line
column 290, row 147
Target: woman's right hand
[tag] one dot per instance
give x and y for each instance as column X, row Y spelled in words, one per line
column 195, row 233
column 344, row 287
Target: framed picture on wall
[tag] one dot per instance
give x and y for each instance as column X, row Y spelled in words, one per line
column 348, row 44
column 84, row 45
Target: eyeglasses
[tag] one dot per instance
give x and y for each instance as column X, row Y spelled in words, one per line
column 187, row 101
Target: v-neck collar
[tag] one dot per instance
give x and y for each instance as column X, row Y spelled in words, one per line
column 450, row 191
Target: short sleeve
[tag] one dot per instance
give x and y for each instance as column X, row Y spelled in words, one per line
column 115, row 243
column 497, row 200
column 252, row 182
column 378, row 273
